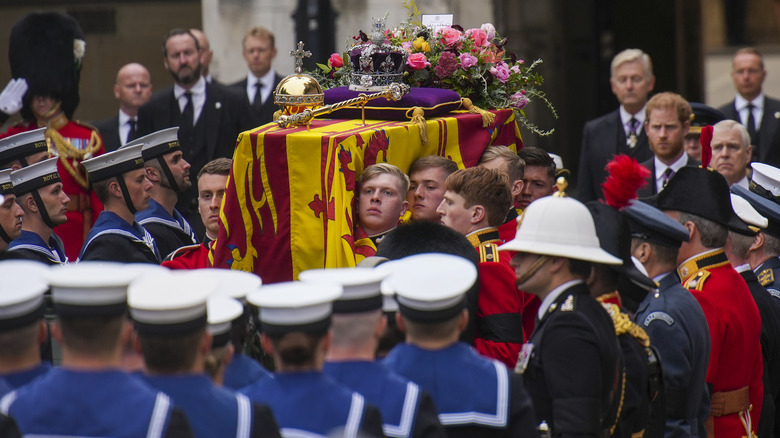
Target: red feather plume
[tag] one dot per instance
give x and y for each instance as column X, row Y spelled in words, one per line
column 706, row 148
column 626, row 177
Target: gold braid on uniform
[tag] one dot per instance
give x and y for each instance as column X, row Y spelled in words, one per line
column 63, row 149
column 620, row 405
column 623, row 325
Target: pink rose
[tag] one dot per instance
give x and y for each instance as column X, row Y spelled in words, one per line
column 479, row 36
column 407, row 45
column 500, row 71
column 515, row 69
column 518, row 100
column 335, row 61
column 490, row 31
column 417, row 61
column 467, row 60
column 449, row 36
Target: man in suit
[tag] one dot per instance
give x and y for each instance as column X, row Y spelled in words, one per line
column 210, row 116
column 667, row 120
column 621, row 131
column 206, row 54
column 259, row 50
column 133, row 88
column 751, row 107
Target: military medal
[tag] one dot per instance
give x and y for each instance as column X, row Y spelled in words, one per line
column 524, row 357
column 631, row 142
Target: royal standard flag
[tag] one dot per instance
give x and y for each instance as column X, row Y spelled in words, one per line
column 289, row 203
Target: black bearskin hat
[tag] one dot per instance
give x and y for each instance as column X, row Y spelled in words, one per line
column 46, row 49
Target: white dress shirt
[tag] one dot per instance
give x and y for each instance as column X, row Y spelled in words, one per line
column 267, row 82
column 198, row 98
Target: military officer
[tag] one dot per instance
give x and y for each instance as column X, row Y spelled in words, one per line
column 88, row 395
column 296, row 319
column 38, row 190
column 737, row 249
column 169, row 174
column 169, row 313
column 431, row 293
column 22, row 328
column 699, row 199
column 673, row 319
column 475, row 205
column 641, row 372
column 120, row 181
column 763, row 253
column 570, row 363
column 407, row 411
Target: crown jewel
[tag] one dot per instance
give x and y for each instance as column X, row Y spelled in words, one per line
column 375, row 63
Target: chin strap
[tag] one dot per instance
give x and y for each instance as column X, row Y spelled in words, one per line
column 168, row 174
column 4, row 235
column 128, row 201
column 42, row 209
column 532, row 270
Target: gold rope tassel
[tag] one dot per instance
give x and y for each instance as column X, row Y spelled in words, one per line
column 418, row 118
column 487, row 117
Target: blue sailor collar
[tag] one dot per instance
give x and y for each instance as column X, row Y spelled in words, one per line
column 110, row 223
column 157, row 214
column 28, row 240
column 488, row 380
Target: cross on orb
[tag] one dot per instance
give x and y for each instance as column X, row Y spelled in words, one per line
column 299, row 54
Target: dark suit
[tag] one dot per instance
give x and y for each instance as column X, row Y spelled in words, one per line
column 109, row 131
column 267, row 110
column 225, row 114
column 603, row 138
column 650, row 188
column 767, row 145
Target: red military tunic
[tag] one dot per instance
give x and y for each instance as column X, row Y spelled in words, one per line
column 735, row 363
column 499, row 328
column 84, row 206
column 531, row 302
column 189, row 257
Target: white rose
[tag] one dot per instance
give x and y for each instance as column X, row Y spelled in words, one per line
column 489, row 30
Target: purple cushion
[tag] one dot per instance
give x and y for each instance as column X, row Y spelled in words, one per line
column 433, row 101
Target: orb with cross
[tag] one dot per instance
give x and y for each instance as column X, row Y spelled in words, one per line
column 299, row 90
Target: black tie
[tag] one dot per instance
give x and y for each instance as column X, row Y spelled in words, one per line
column 751, row 124
column 187, row 116
column 258, row 102
column 131, row 131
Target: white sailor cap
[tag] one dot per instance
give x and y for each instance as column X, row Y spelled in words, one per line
column 114, row 163
column 232, row 282
column 159, row 143
column 35, row 176
column 362, row 290
column 6, row 185
column 222, row 311
column 21, row 293
column 766, row 176
column 22, row 145
column 90, row 289
column 170, row 303
column 748, row 214
column 557, row 159
column 431, row 287
column 295, row 306
column 389, row 304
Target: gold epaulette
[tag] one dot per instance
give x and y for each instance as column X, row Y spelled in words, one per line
column 624, row 325
column 696, row 282
column 766, row 277
column 488, row 252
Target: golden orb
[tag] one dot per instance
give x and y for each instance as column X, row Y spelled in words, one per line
column 298, row 92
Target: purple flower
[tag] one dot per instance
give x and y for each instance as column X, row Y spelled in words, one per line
column 518, row 100
column 500, row 71
column 447, row 65
column 467, row 60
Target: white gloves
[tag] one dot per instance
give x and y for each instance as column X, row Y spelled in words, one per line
column 11, row 97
